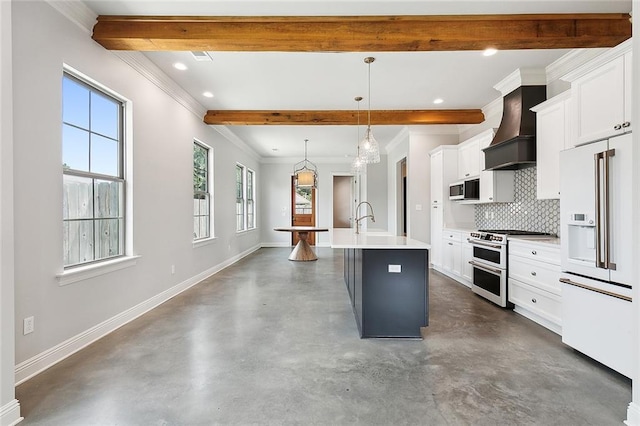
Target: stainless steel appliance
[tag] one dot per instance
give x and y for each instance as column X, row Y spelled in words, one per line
column 490, row 254
column 596, row 247
column 465, row 190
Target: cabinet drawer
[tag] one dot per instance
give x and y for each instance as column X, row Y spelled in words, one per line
column 540, row 302
column 538, row 274
column 536, row 252
column 448, row 234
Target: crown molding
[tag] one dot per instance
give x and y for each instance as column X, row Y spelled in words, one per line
column 598, row 61
column 521, row 77
column 77, row 12
column 234, row 139
column 397, row 140
column 436, row 129
column 315, row 160
column 570, row 61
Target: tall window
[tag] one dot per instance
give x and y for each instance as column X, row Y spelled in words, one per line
column 240, row 225
column 201, row 192
column 93, row 173
column 250, row 204
column 245, row 198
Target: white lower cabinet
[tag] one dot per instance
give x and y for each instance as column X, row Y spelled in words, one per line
column 456, row 254
column 534, row 282
column 451, row 252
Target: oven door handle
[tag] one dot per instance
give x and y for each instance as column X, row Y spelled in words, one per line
column 485, row 268
column 476, row 242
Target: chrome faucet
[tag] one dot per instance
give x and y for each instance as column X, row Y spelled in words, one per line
column 358, row 219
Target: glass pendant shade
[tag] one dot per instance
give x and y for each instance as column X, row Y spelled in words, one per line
column 370, row 149
column 369, row 146
column 359, row 163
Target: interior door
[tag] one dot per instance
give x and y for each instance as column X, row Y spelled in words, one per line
column 303, row 210
column 343, row 201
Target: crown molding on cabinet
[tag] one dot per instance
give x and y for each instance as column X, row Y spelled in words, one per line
column 521, row 77
column 598, row 61
column 572, row 60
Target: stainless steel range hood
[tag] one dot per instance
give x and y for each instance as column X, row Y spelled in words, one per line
column 514, row 145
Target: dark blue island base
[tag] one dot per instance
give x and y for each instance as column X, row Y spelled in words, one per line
column 389, row 290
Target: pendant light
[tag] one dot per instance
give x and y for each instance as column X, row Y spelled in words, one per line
column 305, row 172
column 370, row 148
column 359, row 162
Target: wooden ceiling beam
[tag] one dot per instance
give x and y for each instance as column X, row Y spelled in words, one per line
column 343, row 117
column 361, row 33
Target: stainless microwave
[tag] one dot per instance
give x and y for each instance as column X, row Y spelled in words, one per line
column 465, row 190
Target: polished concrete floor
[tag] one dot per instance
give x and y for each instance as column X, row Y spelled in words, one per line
column 269, row 341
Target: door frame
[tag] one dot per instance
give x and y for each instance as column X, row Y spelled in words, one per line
column 311, row 239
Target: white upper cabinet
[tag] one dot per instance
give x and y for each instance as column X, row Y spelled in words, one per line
column 437, row 178
column 552, row 136
column 601, row 96
column 469, row 159
column 495, row 186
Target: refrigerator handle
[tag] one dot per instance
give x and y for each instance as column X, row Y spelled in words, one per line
column 607, row 218
column 596, row 159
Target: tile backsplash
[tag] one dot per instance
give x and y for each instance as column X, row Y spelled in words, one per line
column 525, row 213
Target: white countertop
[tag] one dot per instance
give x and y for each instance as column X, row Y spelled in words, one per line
column 347, row 238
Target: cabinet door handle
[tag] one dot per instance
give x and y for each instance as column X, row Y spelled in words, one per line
column 617, row 127
column 626, row 124
column 450, row 244
column 466, row 174
column 533, row 252
column 534, row 300
column 533, row 273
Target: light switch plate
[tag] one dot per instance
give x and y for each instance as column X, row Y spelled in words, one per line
column 395, row 269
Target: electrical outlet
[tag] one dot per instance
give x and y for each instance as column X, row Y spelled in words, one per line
column 28, row 325
column 173, row 269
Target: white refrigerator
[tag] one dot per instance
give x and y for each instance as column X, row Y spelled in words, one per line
column 596, row 241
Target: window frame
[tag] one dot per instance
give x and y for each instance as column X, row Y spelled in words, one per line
column 245, row 203
column 208, row 192
column 121, row 177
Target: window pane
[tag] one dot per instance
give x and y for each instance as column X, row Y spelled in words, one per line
column 107, row 238
column 107, row 199
column 75, row 148
column 78, row 241
column 204, row 226
column 239, row 183
column 104, row 156
column 77, row 197
column 75, row 103
column 105, row 116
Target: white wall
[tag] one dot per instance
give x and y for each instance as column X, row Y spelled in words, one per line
column 163, row 132
column 419, row 181
column 375, row 185
column 275, row 199
column 395, row 155
column 9, row 407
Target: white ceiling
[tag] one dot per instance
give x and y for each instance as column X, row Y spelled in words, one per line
column 399, row 80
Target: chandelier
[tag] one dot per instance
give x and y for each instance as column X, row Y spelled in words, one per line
column 305, row 172
column 359, row 162
column 370, row 148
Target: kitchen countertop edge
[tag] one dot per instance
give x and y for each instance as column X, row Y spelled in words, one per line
column 341, row 239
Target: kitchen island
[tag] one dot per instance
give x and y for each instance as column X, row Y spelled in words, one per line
column 387, row 278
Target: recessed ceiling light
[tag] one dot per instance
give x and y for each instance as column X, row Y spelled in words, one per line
column 180, row 66
column 438, row 101
column 490, row 51
column 207, row 94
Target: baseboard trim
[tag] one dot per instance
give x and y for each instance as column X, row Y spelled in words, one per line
column 35, row 365
column 276, row 245
column 10, row 414
column 633, row 414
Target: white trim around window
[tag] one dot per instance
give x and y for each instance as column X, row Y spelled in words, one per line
column 245, row 198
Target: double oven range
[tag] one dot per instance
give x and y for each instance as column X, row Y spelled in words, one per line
column 490, row 264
